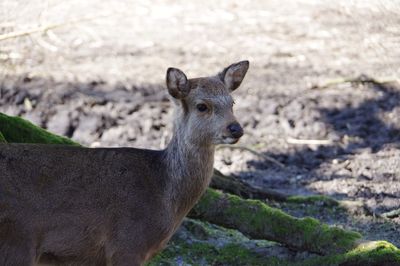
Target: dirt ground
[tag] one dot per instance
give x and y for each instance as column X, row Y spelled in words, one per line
column 101, row 82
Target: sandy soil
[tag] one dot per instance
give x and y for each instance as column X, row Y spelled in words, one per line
column 101, row 82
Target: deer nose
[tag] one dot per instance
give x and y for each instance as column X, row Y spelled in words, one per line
column 236, row 130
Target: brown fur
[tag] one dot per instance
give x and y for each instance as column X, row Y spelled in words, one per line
column 111, row 206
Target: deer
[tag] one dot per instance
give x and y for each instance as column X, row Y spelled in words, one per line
column 71, row 205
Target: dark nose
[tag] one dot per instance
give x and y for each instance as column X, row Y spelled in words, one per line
column 236, row 130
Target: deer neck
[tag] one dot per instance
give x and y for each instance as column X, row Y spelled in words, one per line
column 190, row 168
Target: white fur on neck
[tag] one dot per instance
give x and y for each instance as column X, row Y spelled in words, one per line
column 190, row 167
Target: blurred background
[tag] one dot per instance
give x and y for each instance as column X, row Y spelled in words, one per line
column 322, row 95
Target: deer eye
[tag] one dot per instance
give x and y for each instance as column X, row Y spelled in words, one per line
column 202, row 107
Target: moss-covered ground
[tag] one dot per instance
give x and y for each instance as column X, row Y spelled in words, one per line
column 201, row 243
column 18, row 130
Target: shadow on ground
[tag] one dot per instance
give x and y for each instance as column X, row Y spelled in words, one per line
column 361, row 164
column 358, row 127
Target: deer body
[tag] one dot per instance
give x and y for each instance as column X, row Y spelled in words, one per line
column 114, row 206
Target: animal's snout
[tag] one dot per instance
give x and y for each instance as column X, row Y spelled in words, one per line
column 235, row 130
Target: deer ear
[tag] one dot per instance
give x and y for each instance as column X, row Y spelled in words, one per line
column 233, row 75
column 177, row 83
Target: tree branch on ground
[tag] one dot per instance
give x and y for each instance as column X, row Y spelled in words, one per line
column 240, row 147
column 360, row 79
column 43, row 28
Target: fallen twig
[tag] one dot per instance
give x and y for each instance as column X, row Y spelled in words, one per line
column 240, row 147
column 391, row 214
column 309, row 141
column 47, row 27
column 361, row 79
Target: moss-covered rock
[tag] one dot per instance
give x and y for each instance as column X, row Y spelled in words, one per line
column 2, row 138
column 18, row 130
column 179, row 252
column 373, row 253
column 258, row 220
column 201, row 243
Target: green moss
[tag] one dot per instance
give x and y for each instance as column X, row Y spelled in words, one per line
column 308, row 232
column 374, row 253
column 236, row 255
column 18, row 130
column 322, row 210
column 378, row 253
column 180, row 253
column 314, row 199
column 258, row 220
column 2, row 138
column 220, row 235
column 208, row 198
column 201, row 243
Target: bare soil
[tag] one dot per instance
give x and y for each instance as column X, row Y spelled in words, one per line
column 101, row 82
